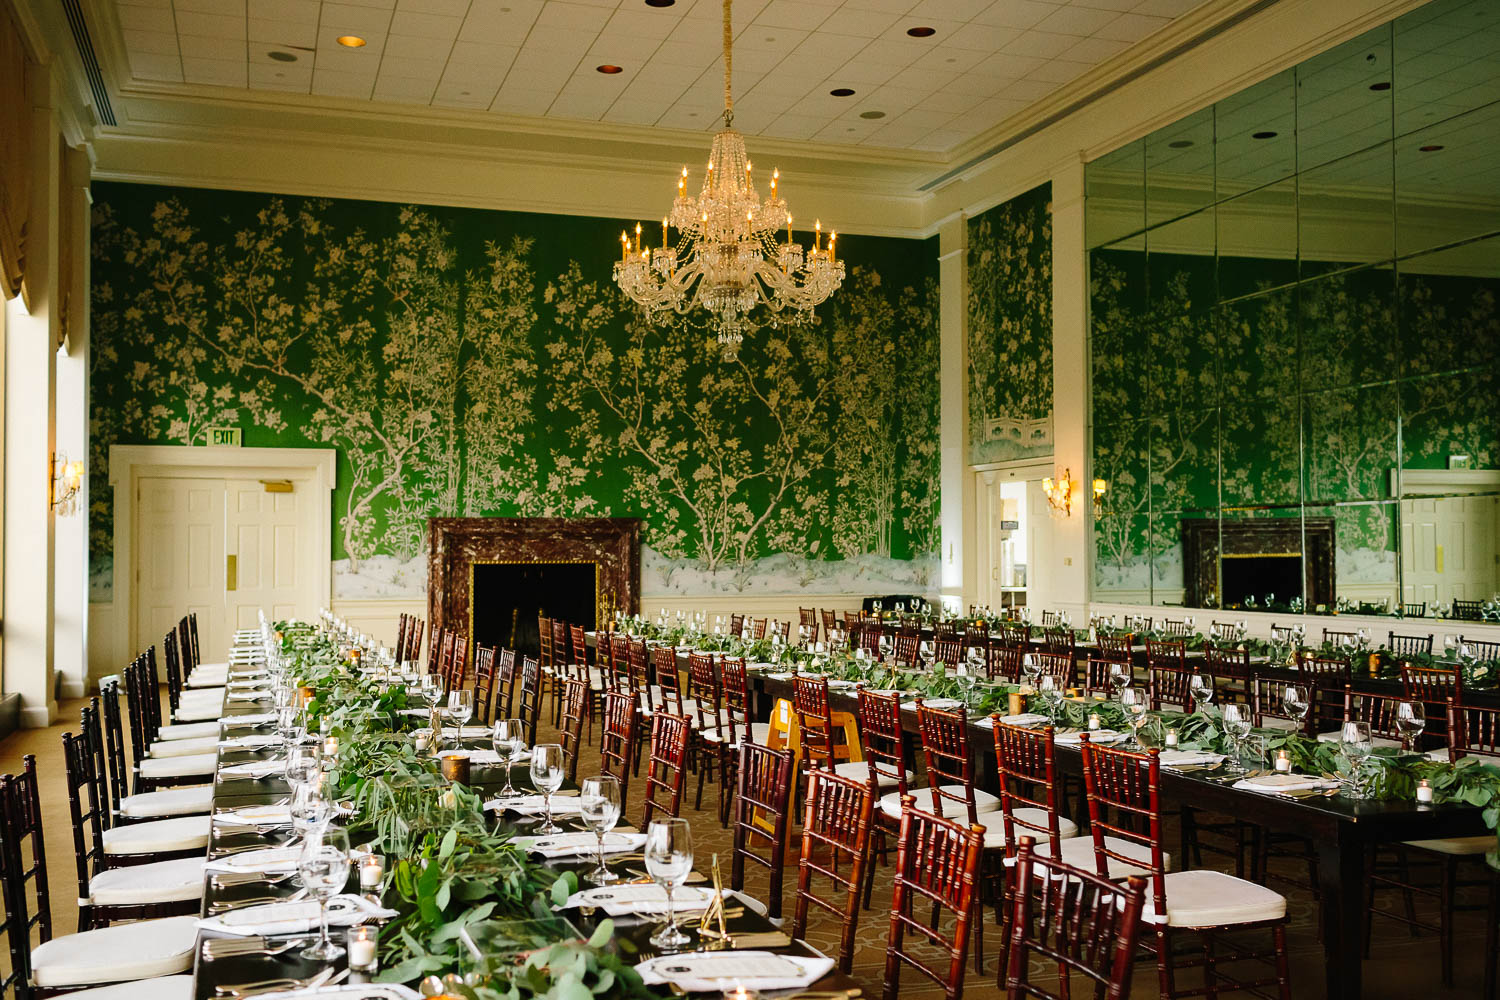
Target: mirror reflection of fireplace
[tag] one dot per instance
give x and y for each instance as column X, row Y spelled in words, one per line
column 507, row 598
column 1260, row 574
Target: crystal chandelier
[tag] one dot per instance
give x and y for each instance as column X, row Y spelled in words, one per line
column 727, row 257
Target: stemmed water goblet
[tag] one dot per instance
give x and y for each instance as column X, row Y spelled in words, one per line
column 599, row 800
column 1356, row 744
column 547, row 776
column 1201, row 687
column 1051, row 691
column 1133, row 703
column 886, row 647
column 669, row 861
column 509, row 739
column 1120, row 678
column 1031, row 669
column 1294, row 698
column 1237, row 726
column 461, row 707
column 324, row 866
column 1411, row 719
column 433, row 689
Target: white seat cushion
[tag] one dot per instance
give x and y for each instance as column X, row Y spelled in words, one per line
column 1204, row 898
column 222, row 667
column 178, row 767
column 203, row 678
column 201, row 696
column 161, row 882
column 187, row 730
column 984, row 802
column 162, row 988
column 859, row 770
column 184, row 748
column 181, row 833
column 198, row 713
column 138, row 950
column 760, row 734
column 184, row 801
column 1079, row 852
column 994, row 826
column 1457, row 845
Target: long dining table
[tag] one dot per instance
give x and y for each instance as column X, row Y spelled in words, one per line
column 211, row 976
column 1341, row 829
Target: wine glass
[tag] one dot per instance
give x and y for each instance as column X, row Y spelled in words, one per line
column 976, row 662
column 324, row 866
column 1411, row 719
column 1237, row 725
column 1355, row 742
column 547, row 775
column 1133, row 702
column 669, row 861
column 1031, row 669
column 1294, row 698
column 1201, row 687
column 461, row 707
column 886, row 646
column 310, row 809
column 1051, row 691
column 1120, row 678
column 286, row 725
column 302, row 762
column 433, row 688
column 599, row 799
column 509, row 738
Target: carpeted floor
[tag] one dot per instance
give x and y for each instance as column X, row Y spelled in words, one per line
column 1399, row 967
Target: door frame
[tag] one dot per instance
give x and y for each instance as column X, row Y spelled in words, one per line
column 129, row 463
column 1023, row 471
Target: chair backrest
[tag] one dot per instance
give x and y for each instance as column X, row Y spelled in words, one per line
column 1268, row 699
column 1170, row 685
column 505, row 678
column 174, row 668
column 937, row 862
column 1480, row 649
column 1117, row 648
column 1177, row 628
column 435, row 650
column 1225, row 661
column 1096, row 675
column 1410, row 610
column 1166, row 653
column 1407, row 645
column 950, row 769
column 617, row 738
column 619, row 664
column 945, row 630
column 109, row 744
column 575, row 701
column 808, row 616
column 446, row 655
column 403, row 622
column 814, row 719
column 484, row 682
column 1379, row 710
column 761, row 813
column 1059, row 665
column 703, row 691
column 1473, row 731
column 187, row 651
column 562, row 647
column 580, row 639
column 781, row 628
column 666, row 766
column 1433, row 685
column 639, row 664
column 1025, row 761
column 414, row 640
column 1058, row 640
column 835, row 849
column 1470, row 611
column 1124, row 793
column 734, row 687
column 736, row 624
column 192, row 620
column 668, row 680
column 458, row 663
column 531, row 696
column 1016, row 635
column 134, row 696
column 907, row 648
column 1003, row 662
column 948, row 651
column 883, row 739
column 544, row 640
column 830, row 621
column 21, row 810
column 86, row 806
column 1074, row 921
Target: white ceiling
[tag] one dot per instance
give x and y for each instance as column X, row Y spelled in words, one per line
column 988, row 59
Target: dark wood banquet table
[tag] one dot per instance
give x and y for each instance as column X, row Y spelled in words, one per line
column 210, row 975
column 1341, row 829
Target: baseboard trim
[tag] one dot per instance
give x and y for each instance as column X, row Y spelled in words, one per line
column 39, row 717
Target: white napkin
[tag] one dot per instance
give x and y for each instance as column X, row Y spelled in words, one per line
column 531, row 805
column 715, row 972
column 344, row 910
column 1277, row 784
column 355, row 991
column 248, row 696
column 1095, row 736
column 1025, row 719
column 1375, row 741
column 779, row 675
column 836, row 684
column 258, row 719
column 256, row 769
column 256, row 816
column 455, row 733
column 250, row 742
column 1182, row 758
column 486, row 757
column 642, row 899
column 941, row 703
column 267, row 860
column 572, row 845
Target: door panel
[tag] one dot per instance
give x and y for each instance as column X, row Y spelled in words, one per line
column 180, row 558
column 269, row 532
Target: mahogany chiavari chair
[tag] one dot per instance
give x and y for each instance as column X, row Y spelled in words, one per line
column 976, row 637
column 1059, row 665
column 949, row 651
column 1167, row 653
column 1016, row 636
column 814, row 720
column 709, row 735
column 1326, row 677
column 739, row 727
column 830, row 621
column 1058, row 640
column 886, row 751
column 414, row 640
column 617, row 742
column 1414, row 610
column 458, row 666
column 575, row 704
column 668, row 681
column 1073, row 920
column 1409, row 645
column 619, row 663
column 484, row 683
column 1124, row 794
column 937, row 862
column 1473, row 731
column 836, row 823
column 435, row 650
column 403, row 622
column 1379, row 710
column 1334, row 637
column 737, row 624
column 562, row 664
column 578, row 636
column 761, row 818
column 1434, row 687
column 1117, row 648
column 1096, row 677
column 1051, row 619
column 1268, row 702
column 505, row 680
column 1230, row 666
column 808, row 618
column 666, row 766
column 945, row 630
column 531, row 696
column 1469, row 611
column 907, row 646
column 1177, row 628
column 1169, row 685
column 638, row 664
column 544, row 641
column 1003, row 662
column 1480, row 649
column 758, row 628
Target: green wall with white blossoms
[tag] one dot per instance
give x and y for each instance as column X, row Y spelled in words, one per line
column 1010, row 329
column 479, row 363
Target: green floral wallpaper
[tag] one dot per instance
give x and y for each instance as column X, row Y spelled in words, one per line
column 1010, row 329
column 470, row 363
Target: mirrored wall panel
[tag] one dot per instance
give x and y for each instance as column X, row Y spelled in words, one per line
column 1295, row 335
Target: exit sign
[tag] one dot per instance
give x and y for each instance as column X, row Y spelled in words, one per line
column 224, row 437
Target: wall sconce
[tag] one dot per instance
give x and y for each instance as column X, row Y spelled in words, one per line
column 1060, row 493
column 67, row 479
column 1100, row 488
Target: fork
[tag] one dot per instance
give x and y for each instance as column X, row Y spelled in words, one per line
column 215, row 948
column 224, row 880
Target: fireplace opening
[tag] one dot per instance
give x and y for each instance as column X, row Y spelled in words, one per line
column 506, row 599
column 1258, row 575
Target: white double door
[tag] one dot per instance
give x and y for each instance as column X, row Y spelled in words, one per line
column 1449, row 549
column 222, row 548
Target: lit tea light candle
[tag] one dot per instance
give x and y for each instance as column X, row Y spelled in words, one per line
column 1093, row 721
column 1424, row 791
column 1171, row 737
column 420, row 741
column 1283, row 762
column 331, row 747
column 362, row 950
column 371, row 871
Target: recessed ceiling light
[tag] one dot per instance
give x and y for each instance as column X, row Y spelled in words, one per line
column 921, row 32
column 660, row 3
column 1263, row 135
column 280, row 56
column 872, row 114
column 608, row 69
column 841, row 92
column 1382, row 85
column 351, row 41
column 1179, row 144
column 1433, row 148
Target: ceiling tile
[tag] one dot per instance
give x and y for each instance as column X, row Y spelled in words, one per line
column 417, row 47
column 156, row 43
column 543, row 38
column 902, row 53
column 688, row 55
column 1017, row 13
column 645, row 23
column 846, row 131
column 519, row 101
column 283, row 32
column 351, row 19
column 979, row 84
column 949, row 102
column 147, row 19
column 164, row 4
column 1166, row 8
column 830, row 51
column 884, row 6
column 574, row 16
column 792, row 14
column 865, row 71
column 453, row 8
column 633, row 113
column 216, row 72
column 795, row 127
column 194, row 47
column 284, row 10
column 983, row 37
column 1041, row 44
column 1131, row 27
column 153, row 66
column 847, row 20
column 586, row 107
column 1009, row 64
column 210, row 25
column 940, row 140
column 1095, row 50
column 377, row 4
column 415, row 69
column 227, row 8
column 1059, row 71
column 265, row 78
column 468, row 76
column 404, row 89
column 454, row 96
column 481, row 54
column 425, row 25
column 1073, row 20
column 331, row 83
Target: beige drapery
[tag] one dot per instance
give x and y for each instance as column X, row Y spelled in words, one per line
column 15, row 155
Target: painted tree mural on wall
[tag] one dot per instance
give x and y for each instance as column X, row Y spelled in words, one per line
column 1010, row 329
column 463, row 363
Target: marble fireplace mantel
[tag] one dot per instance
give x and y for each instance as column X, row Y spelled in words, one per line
column 456, row 544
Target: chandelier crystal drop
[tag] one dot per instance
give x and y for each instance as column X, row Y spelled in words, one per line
column 728, row 258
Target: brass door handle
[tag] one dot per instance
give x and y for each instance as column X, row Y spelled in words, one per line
column 231, row 572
